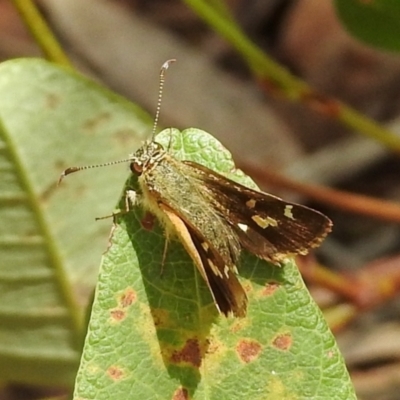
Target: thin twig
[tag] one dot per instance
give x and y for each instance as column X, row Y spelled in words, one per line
column 273, row 77
column 41, row 32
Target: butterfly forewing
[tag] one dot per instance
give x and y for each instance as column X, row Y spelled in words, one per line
column 266, row 226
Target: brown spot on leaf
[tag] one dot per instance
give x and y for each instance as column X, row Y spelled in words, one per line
column 115, row 373
column 180, row 394
column 92, row 124
column 52, row 100
column 128, row 298
column 248, row 350
column 283, row 341
column 270, row 289
column 117, row 314
column 124, row 137
column 190, row 353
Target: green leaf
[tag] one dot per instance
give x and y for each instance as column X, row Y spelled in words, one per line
column 50, row 245
column 156, row 334
column 374, row 22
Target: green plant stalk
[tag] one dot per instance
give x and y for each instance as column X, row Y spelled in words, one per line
column 221, row 7
column 41, row 32
column 293, row 88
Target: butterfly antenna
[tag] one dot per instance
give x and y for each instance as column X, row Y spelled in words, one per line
column 70, row 170
column 163, row 70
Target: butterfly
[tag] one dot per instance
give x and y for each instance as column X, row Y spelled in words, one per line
column 215, row 217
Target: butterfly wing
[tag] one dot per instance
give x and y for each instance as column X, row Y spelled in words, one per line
column 227, row 292
column 267, row 226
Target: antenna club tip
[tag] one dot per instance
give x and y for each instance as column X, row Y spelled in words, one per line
column 167, row 64
column 60, row 179
column 66, row 172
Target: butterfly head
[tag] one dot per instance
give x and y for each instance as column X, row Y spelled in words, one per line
column 146, row 157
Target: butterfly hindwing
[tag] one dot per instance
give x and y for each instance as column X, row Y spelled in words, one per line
column 226, row 290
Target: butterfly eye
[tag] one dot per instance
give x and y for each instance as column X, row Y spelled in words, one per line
column 136, row 167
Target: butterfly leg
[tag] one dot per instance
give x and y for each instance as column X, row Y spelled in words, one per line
column 130, row 196
column 164, row 256
column 131, row 199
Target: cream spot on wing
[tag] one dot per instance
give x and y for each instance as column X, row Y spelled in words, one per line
column 243, row 227
column 264, row 222
column 226, row 271
column 214, row 269
column 251, row 203
column 288, row 212
column 205, row 246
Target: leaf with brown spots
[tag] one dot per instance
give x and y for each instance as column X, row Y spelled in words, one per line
column 174, row 342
